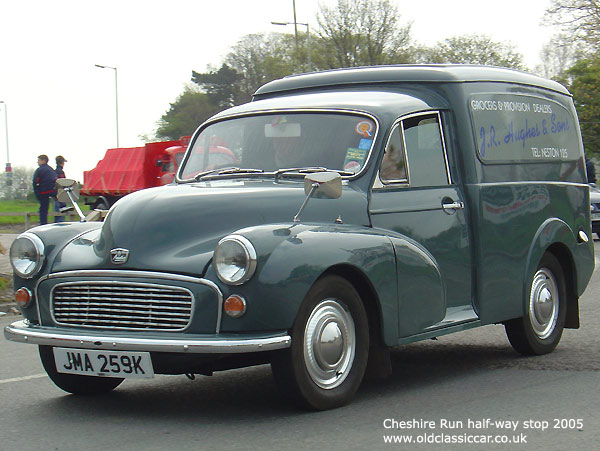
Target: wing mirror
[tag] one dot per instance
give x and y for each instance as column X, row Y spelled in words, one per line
column 321, row 185
column 68, row 191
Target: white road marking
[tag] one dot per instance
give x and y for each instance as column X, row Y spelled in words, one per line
column 24, row 378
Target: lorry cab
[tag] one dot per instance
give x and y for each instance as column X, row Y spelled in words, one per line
column 335, row 216
column 169, row 162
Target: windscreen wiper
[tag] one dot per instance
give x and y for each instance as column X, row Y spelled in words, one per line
column 226, row 171
column 300, row 171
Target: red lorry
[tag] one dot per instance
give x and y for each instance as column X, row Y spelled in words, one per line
column 125, row 170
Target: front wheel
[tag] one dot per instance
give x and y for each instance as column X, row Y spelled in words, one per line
column 330, row 342
column 73, row 383
column 540, row 330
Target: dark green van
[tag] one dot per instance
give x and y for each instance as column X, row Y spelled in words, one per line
column 336, row 215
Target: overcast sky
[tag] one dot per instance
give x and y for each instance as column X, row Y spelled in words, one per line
column 58, row 102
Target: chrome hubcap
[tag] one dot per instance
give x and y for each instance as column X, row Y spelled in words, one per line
column 329, row 344
column 543, row 303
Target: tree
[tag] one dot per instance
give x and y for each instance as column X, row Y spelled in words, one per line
column 255, row 60
column 21, row 184
column 189, row 110
column 359, row 33
column 585, row 87
column 580, row 19
column 220, row 85
column 259, row 59
column 557, row 56
column 371, row 25
column 472, row 49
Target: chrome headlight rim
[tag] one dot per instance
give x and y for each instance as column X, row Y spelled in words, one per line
column 38, row 244
column 249, row 254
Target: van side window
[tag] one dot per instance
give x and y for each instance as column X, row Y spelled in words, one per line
column 415, row 154
column 425, row 151
column 393, row 166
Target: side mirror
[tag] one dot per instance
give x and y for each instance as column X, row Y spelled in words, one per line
column 68, row 191
column 323, row 185
column 64, row 187
column 65, row 183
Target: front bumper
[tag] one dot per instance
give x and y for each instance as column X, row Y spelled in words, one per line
column 24, row 332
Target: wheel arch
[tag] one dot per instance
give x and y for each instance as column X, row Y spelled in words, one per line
column 555, row 236
column 368, row 295
column 565, row 258
column 363, row 258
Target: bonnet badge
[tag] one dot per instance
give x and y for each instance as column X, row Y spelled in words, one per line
column 119, row 256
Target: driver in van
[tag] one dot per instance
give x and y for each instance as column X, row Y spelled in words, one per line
column 288, row 152
column 288, row 142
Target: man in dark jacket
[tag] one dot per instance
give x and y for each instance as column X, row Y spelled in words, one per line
column 60, row 173
column 44, row 181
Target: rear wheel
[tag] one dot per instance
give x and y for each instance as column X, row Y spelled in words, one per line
column 540, row 330
column 101, row 205
column 330, row 341
column 73, row 383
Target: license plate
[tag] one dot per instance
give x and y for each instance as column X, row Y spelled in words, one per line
column 103, row 363
column 595, row 216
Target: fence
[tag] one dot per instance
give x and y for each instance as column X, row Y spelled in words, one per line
column 29, row 214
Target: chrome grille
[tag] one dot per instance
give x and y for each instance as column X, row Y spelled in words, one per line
column 122, row 305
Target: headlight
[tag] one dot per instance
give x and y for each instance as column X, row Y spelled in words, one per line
column 27, row 255
column 234, row 260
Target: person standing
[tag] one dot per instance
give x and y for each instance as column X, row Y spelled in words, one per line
column 590, row 169
column 44, row 181
column 60, row 173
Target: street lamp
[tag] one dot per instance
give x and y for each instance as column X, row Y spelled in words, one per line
column 295, row 24
column 8, row 168
column 116, row 98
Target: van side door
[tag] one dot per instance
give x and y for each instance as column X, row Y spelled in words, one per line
column 414, row 196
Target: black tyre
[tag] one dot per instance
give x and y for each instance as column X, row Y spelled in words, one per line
column 101, row 205
column 326, row 362
column 72, row 383
column 539, row 331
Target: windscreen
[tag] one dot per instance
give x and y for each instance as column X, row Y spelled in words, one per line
column 272, row 142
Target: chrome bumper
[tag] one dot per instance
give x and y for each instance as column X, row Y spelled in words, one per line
column 22, row 332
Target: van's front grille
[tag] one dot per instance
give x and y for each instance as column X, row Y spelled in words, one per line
column 122, row 305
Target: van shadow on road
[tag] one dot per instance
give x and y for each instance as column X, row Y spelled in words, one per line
column 242, row 395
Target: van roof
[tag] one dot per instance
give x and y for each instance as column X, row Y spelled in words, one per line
column 435, row 73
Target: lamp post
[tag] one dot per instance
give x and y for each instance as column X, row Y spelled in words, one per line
column 116, row 98
column 307, row 40
column 8, row 168
column 296, row 32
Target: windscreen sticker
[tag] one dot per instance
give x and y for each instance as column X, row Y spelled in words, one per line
column 365, row 144
column 365, row 128
column 354, row 159
column 513, row 127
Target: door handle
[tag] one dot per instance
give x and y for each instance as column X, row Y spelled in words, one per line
column 452, row 206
